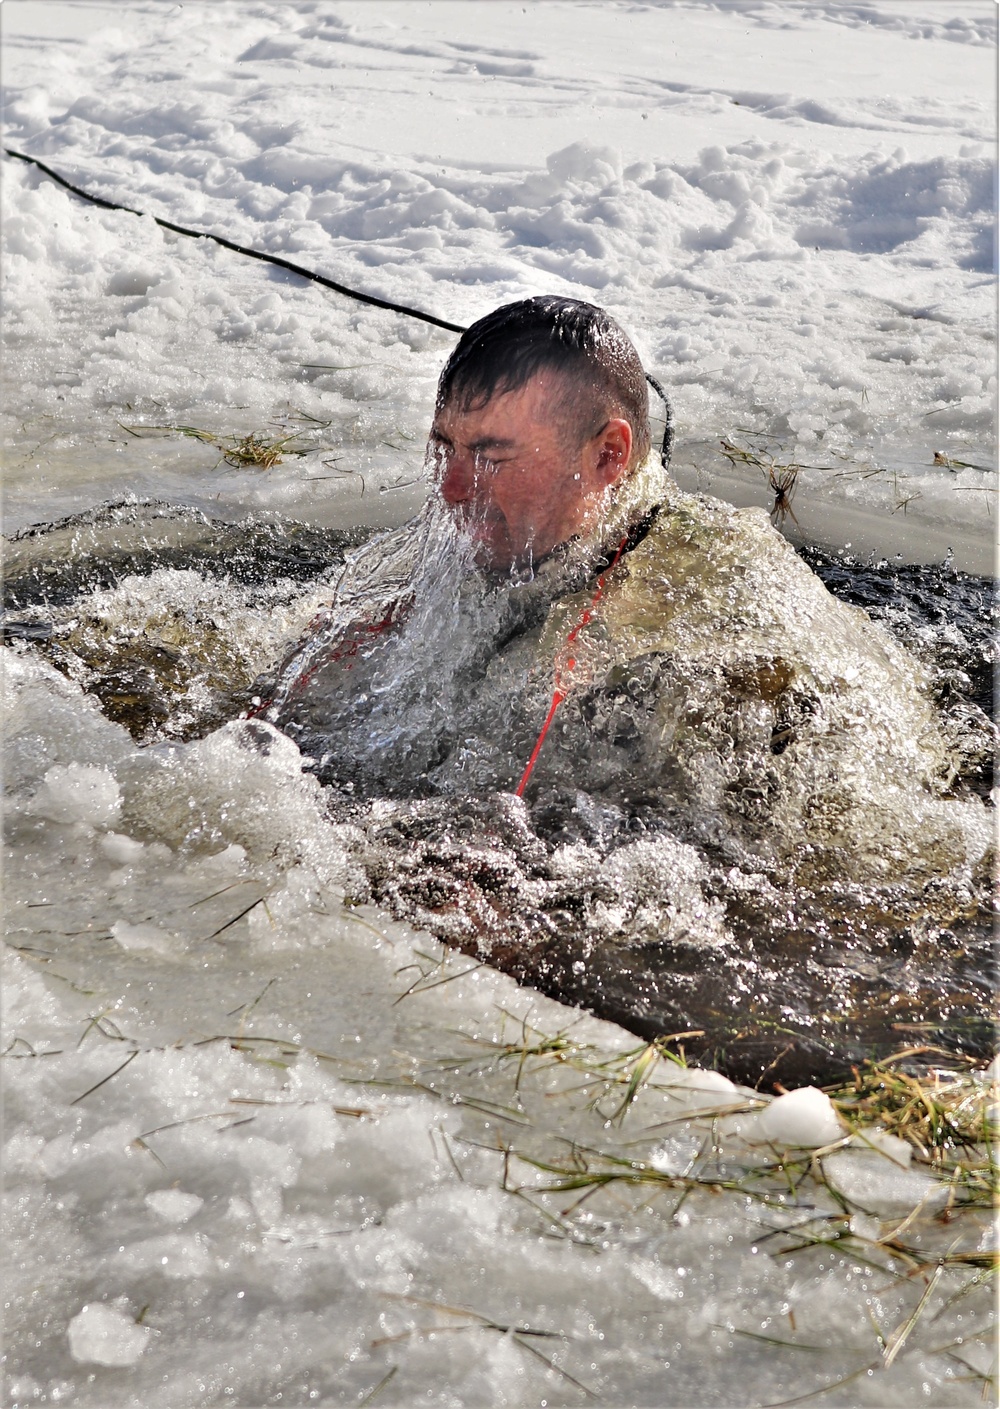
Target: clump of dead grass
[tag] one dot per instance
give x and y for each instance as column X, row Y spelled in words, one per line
column 261, row 449
column 781, row 476
column 948, row 1117
column 257, row 448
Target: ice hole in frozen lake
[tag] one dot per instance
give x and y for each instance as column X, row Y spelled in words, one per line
column 722, row 897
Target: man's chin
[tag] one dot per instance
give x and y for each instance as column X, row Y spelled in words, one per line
column 491, row 547
column 492, row 557
column 500, row 556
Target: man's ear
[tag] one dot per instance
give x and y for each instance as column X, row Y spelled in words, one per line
column 613, row 447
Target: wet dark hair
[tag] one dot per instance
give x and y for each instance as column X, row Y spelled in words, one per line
column 504, row 350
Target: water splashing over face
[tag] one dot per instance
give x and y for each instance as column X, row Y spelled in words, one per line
column 373, row 695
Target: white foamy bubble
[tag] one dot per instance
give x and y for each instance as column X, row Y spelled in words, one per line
column 104, row 1335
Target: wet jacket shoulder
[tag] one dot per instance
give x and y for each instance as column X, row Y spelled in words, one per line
column 721, row 677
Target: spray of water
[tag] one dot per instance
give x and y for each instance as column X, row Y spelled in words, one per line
column 373, row 693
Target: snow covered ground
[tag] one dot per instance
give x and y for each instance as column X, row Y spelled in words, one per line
column 265, row 1146
column 788, row 205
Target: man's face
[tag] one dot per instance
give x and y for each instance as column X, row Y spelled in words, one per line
column 515, row 477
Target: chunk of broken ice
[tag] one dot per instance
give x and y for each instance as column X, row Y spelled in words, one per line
column 141, row 936
column 78, row 792
column 121, row 849
column 804, row 1118
column 899, row 1151
column 104, row 1335
column 174, row 1205
column 878, row 1185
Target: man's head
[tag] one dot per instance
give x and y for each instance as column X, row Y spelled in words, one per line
column 542, row 409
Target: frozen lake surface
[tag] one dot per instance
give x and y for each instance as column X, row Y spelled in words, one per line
column 269, row 1141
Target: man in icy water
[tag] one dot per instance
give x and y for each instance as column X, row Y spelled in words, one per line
column 685, row 659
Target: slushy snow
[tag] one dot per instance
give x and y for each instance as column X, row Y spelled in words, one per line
column 307, row 1145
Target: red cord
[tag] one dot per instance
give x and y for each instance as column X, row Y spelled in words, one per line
column 557, row 699
column 558, row 694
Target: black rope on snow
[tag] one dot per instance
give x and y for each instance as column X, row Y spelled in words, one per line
column 668, row 429
column 242, row 249
column 667, row 444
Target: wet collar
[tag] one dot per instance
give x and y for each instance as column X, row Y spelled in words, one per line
column 630, row 517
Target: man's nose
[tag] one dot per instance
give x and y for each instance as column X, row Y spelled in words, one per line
column 458, row 476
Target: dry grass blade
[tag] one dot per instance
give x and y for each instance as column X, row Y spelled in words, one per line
column 186, row 1120
column 229, row 923
column 769, row 1340
column 558, row 1047
column 577, row 1173
column 104, row 1079
column 380, row 1386
column 449, row 1152
column 418, row 986
column 140, row 1144
column 355, row 1112
column 781, row 477
column 949, row 463
column 100, row 1022
column 221, row 891
column 194, row 432
column 782, row 480
column 643, row 1068
column 823, row 1389
column 254, row 450
column 520, row 1334
column 551, row 1365
column 900, row 1335
column 870, row 1368
column 247, row 1008
column 9, row 1050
